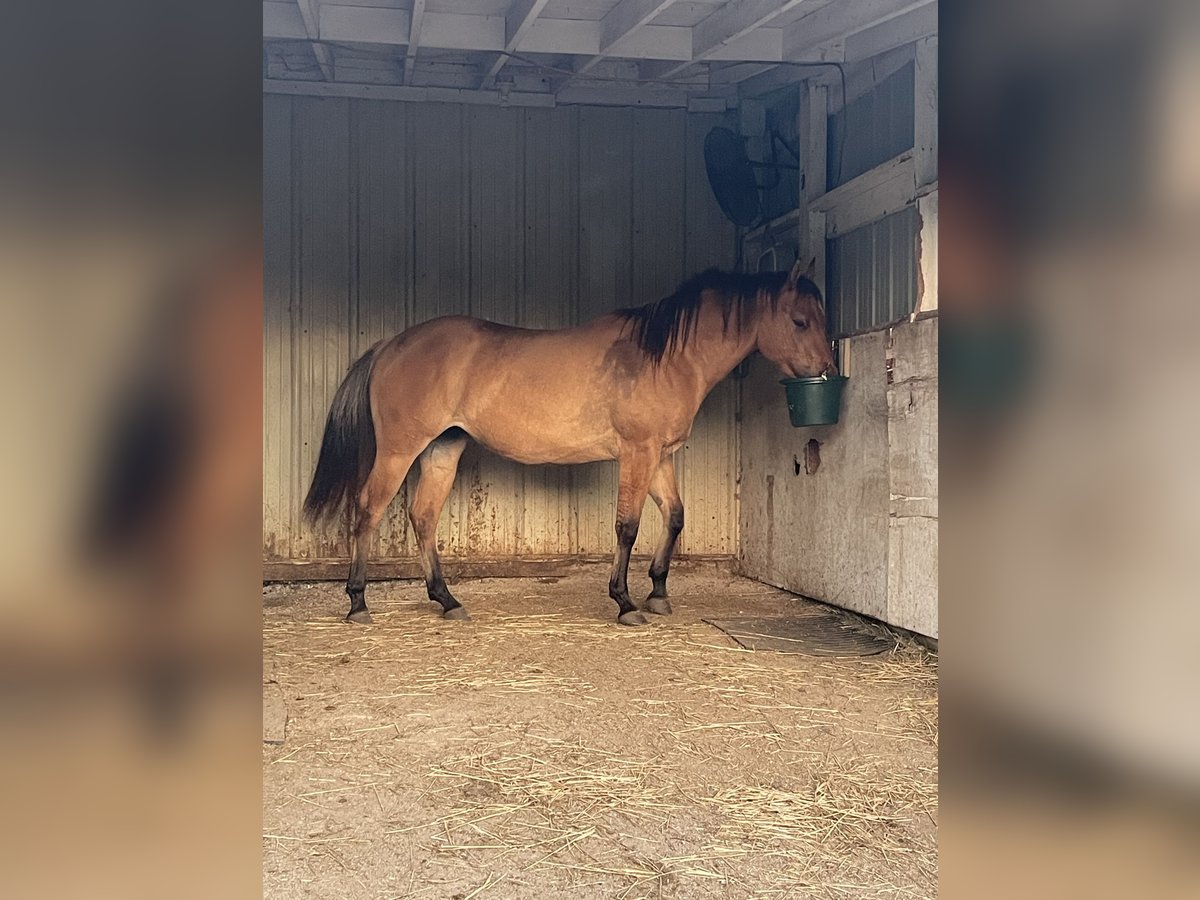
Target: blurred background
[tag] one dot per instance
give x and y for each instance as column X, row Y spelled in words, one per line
column 130, row 375
column 1071, row 744
column 130, row 380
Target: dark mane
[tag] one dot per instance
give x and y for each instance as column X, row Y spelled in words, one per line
column 664, row 326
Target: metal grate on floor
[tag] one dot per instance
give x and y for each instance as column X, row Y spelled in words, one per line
column 816, row 633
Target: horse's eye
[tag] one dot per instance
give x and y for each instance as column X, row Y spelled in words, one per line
column 802, row 324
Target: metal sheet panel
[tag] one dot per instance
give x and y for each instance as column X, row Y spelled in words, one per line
column 871, row 273
column 879, row 125
column 380, row 215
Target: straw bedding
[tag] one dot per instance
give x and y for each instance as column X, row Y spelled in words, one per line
column 541, row 750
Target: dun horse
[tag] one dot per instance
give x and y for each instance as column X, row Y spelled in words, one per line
column 626, row 386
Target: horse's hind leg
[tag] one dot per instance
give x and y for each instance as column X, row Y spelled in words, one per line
column 439, row 463
column 666, row 496
column 382, row 485
column 637, row 468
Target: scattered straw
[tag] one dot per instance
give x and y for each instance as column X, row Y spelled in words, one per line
column 669, row 764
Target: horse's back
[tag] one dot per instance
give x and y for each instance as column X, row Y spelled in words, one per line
column 533, row 395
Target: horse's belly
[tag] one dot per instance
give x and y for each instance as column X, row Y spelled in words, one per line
column 541, row 403
column 534, row 448
column 531, row 438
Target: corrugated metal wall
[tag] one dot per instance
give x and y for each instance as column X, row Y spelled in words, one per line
column 871, row 274
column 379, row 215
column 879, row 125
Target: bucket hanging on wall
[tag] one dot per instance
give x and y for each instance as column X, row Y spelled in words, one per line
column 814, row 401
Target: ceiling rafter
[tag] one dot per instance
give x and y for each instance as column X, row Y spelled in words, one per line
column 467, row 49
column 414, row 39
column 475, row 33
column 517, row 22
column 880, row 37
column 838, row 21
column 308, row 13
column 620, row 24
column 728, row 24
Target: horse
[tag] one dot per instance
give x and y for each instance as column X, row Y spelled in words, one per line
column 625, row 386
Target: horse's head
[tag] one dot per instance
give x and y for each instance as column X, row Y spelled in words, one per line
column 791, row 331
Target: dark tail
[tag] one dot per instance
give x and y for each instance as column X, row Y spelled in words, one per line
column 348, row 447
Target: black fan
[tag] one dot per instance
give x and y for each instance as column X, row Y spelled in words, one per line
column 731, row 175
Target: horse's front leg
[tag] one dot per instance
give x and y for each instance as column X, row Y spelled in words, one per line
column 636, row 469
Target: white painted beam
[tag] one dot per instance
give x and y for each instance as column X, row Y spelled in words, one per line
column 925, row 111
column 885, row 189
column 903, row 29
column 778, row 76
column 454, row 31
column 308, row 12
column 813, row 122
column 367, row 25
column 738, row 72
column 404, row 93
column 414, row 39
column 517, row 23
column 728, row 25
column 615, row 95
column 735, row 20
column 283, row 20
column 815, row 107
column 620, row 23
column 600, row 95
column 840, row 20
column 762, row 46
column 625, row 18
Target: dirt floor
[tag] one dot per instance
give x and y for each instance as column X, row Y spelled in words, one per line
column 541, row 750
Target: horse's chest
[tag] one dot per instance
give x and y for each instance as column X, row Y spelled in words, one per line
column 677, row 438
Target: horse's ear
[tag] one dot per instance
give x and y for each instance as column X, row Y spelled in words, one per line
column 794, row 275
column 811, row 272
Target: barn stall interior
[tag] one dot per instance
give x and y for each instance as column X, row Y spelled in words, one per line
column 540, row 164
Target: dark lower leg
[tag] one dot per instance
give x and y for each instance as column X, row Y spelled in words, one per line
column 385, row 480
column 618, row 582
column 661, row 565
column 356, row 582
column 435, row 586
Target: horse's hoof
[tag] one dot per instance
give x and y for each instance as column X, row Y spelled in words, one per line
column 660, row 606
column 633, row 617
column 360, row 617
column 457, row 612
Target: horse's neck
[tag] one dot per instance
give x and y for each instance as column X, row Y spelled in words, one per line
column 714, row 351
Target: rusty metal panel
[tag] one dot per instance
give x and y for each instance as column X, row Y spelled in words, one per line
column 605, row 281
column 278, row 380
column 379, row 215
column 323, row 292
column 382, row 243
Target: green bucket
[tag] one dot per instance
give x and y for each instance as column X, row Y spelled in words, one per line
column 814, row 401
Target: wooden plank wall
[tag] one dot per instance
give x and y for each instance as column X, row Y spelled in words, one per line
column 380, row 215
